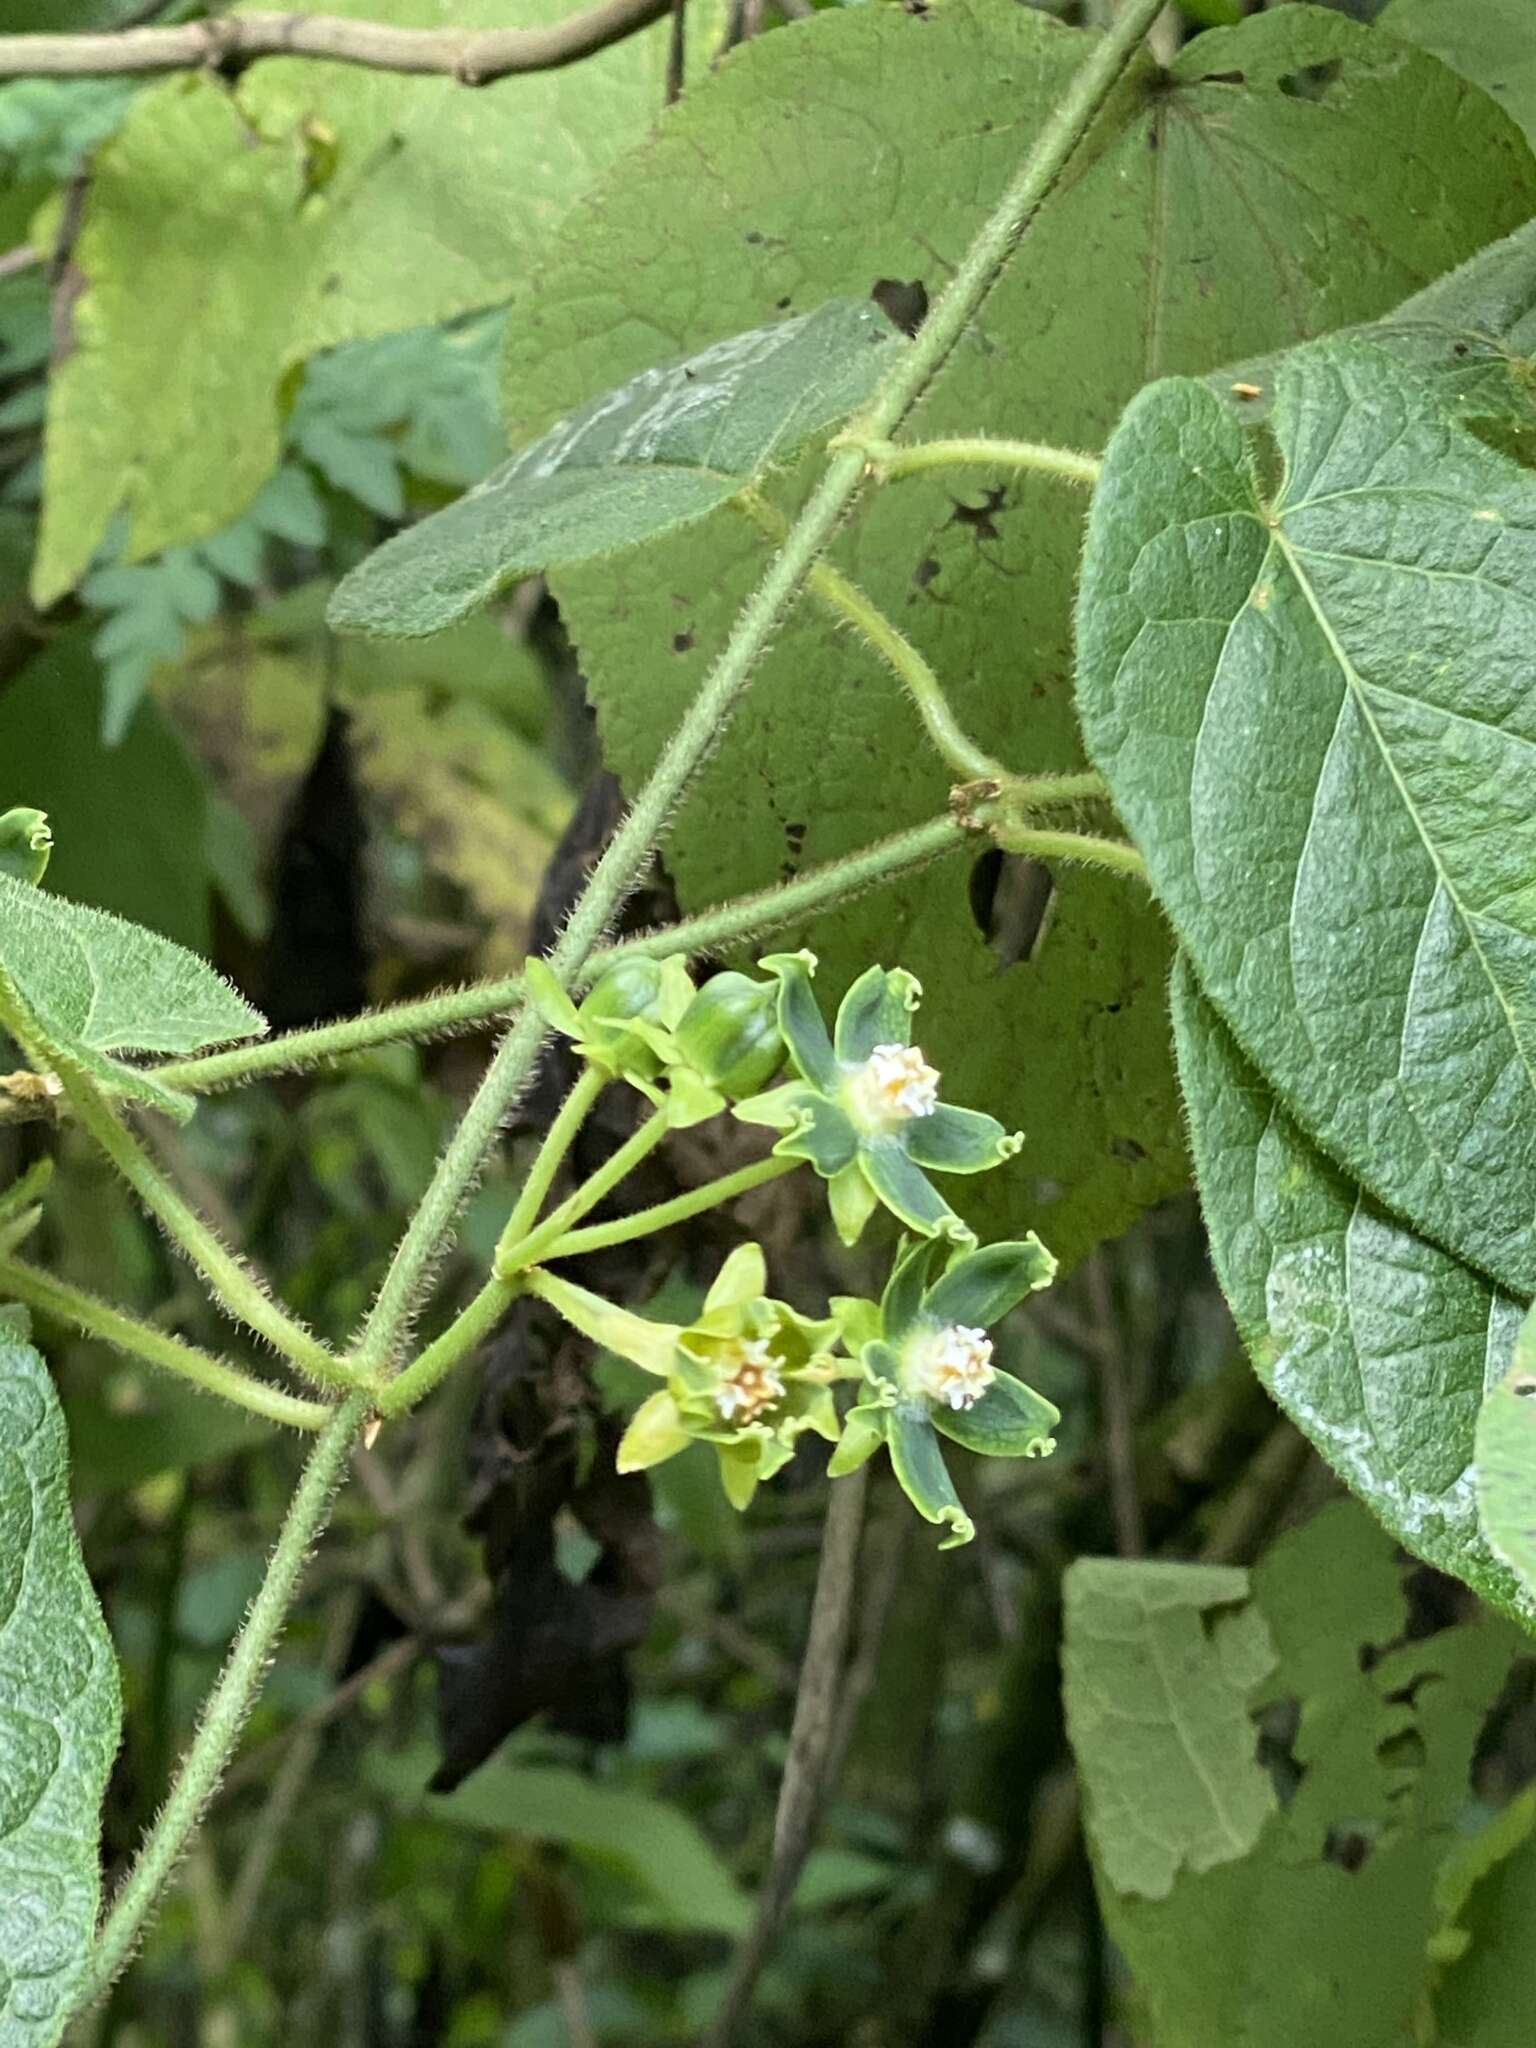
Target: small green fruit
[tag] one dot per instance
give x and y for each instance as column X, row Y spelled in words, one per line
column 25, row 844
column 730, row 1035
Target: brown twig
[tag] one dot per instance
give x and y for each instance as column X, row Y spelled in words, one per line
column 812, row 1739
column 227, row 42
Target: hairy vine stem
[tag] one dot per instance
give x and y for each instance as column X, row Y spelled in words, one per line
column 892, row 459
column 126, row 1333
column 224, row 1714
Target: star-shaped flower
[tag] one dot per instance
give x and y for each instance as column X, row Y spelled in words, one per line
column 930, row 1370
column 866, row 1111
column 749, row 1375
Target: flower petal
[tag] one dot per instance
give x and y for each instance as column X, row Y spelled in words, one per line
column 800, row 1018
column 877, row 1010
column 655, row 1433
column 649, row 1345
column 738, row 1471
column 951, row 1140
column 824, row 1136
column 779, row 1109
column 852, row 1201
column 550, row 999
column 980, row 1287
column 1009, row 1421
column 743, row 1278
column 857, row 1319
column 908, row 1193
column 690, row 1100
column 903, row 1297
column 863, row 1434
column 924, row 1477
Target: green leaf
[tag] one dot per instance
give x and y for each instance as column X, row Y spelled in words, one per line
column 334, row 203
column 1489, row 1890
column 60, row 1712
column 1159, row 1663
column 1312, row 705
column 1471, row 334
column 1320, row 1932
column 673, row 1876
column 659, row 452
column 93, row 985
column 1488, row 41
column 1212, row 215
column 1375, row 1342
column 1506, row 1461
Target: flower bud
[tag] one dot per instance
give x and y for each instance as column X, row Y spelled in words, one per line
column 730, row 1034
column 25, row 844
column 639, row 991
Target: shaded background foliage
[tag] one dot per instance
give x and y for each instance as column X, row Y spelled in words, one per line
column 597, row 1674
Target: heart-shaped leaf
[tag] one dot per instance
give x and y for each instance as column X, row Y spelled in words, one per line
column 658, row 452
column 1376, row 1343
column 60, row 1711
column 91, row 985
column 1312, row 698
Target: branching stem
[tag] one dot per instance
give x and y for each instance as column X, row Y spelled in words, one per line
column 662, row 1215
column 558, row 1140
column 467, row 1330
column 227, row 1279
column 515, row 1254
column 126, row 1333
column 889, row 460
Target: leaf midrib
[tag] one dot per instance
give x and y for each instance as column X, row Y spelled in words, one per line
column 1355, row 684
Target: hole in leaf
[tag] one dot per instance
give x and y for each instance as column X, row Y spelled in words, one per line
column 1011, row 900
column 1403, row 1751
column 681, row 642
column 979, row 517
column 904, row 305
column 1350, row 1848
column 925, row 571
column 1504, row 1760
column 1224, row 78
column 1278, row 1724
column 1312, row 81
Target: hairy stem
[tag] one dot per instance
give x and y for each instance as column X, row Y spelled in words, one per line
column 126, row 1333
column 643, row 1222
column 230, row 1700
column 743, row 917
column 458, row 1009
column 891, row 459
column 228, row 1280
column 844, row 599
column 558, row 1140
column 1112, row 854
column 468, row 1329
column 513, row 1254
column 623, row 860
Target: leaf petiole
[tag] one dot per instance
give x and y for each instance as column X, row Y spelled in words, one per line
column 889, row 460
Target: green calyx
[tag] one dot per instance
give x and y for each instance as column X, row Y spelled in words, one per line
column 928, row 1367
column 729, row 1034
column 865, row 1110
column 749, row 1376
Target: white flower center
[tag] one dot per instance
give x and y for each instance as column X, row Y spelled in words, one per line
column 893, row 1084
column 755, row 1385
column 953, row 1366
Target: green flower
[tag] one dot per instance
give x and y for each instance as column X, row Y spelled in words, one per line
column 928, row 1362
column 749, row 1376
column 866, row 1111
column 624, row 1027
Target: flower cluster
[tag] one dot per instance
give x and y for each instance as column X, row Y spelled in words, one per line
column 861, row 1105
